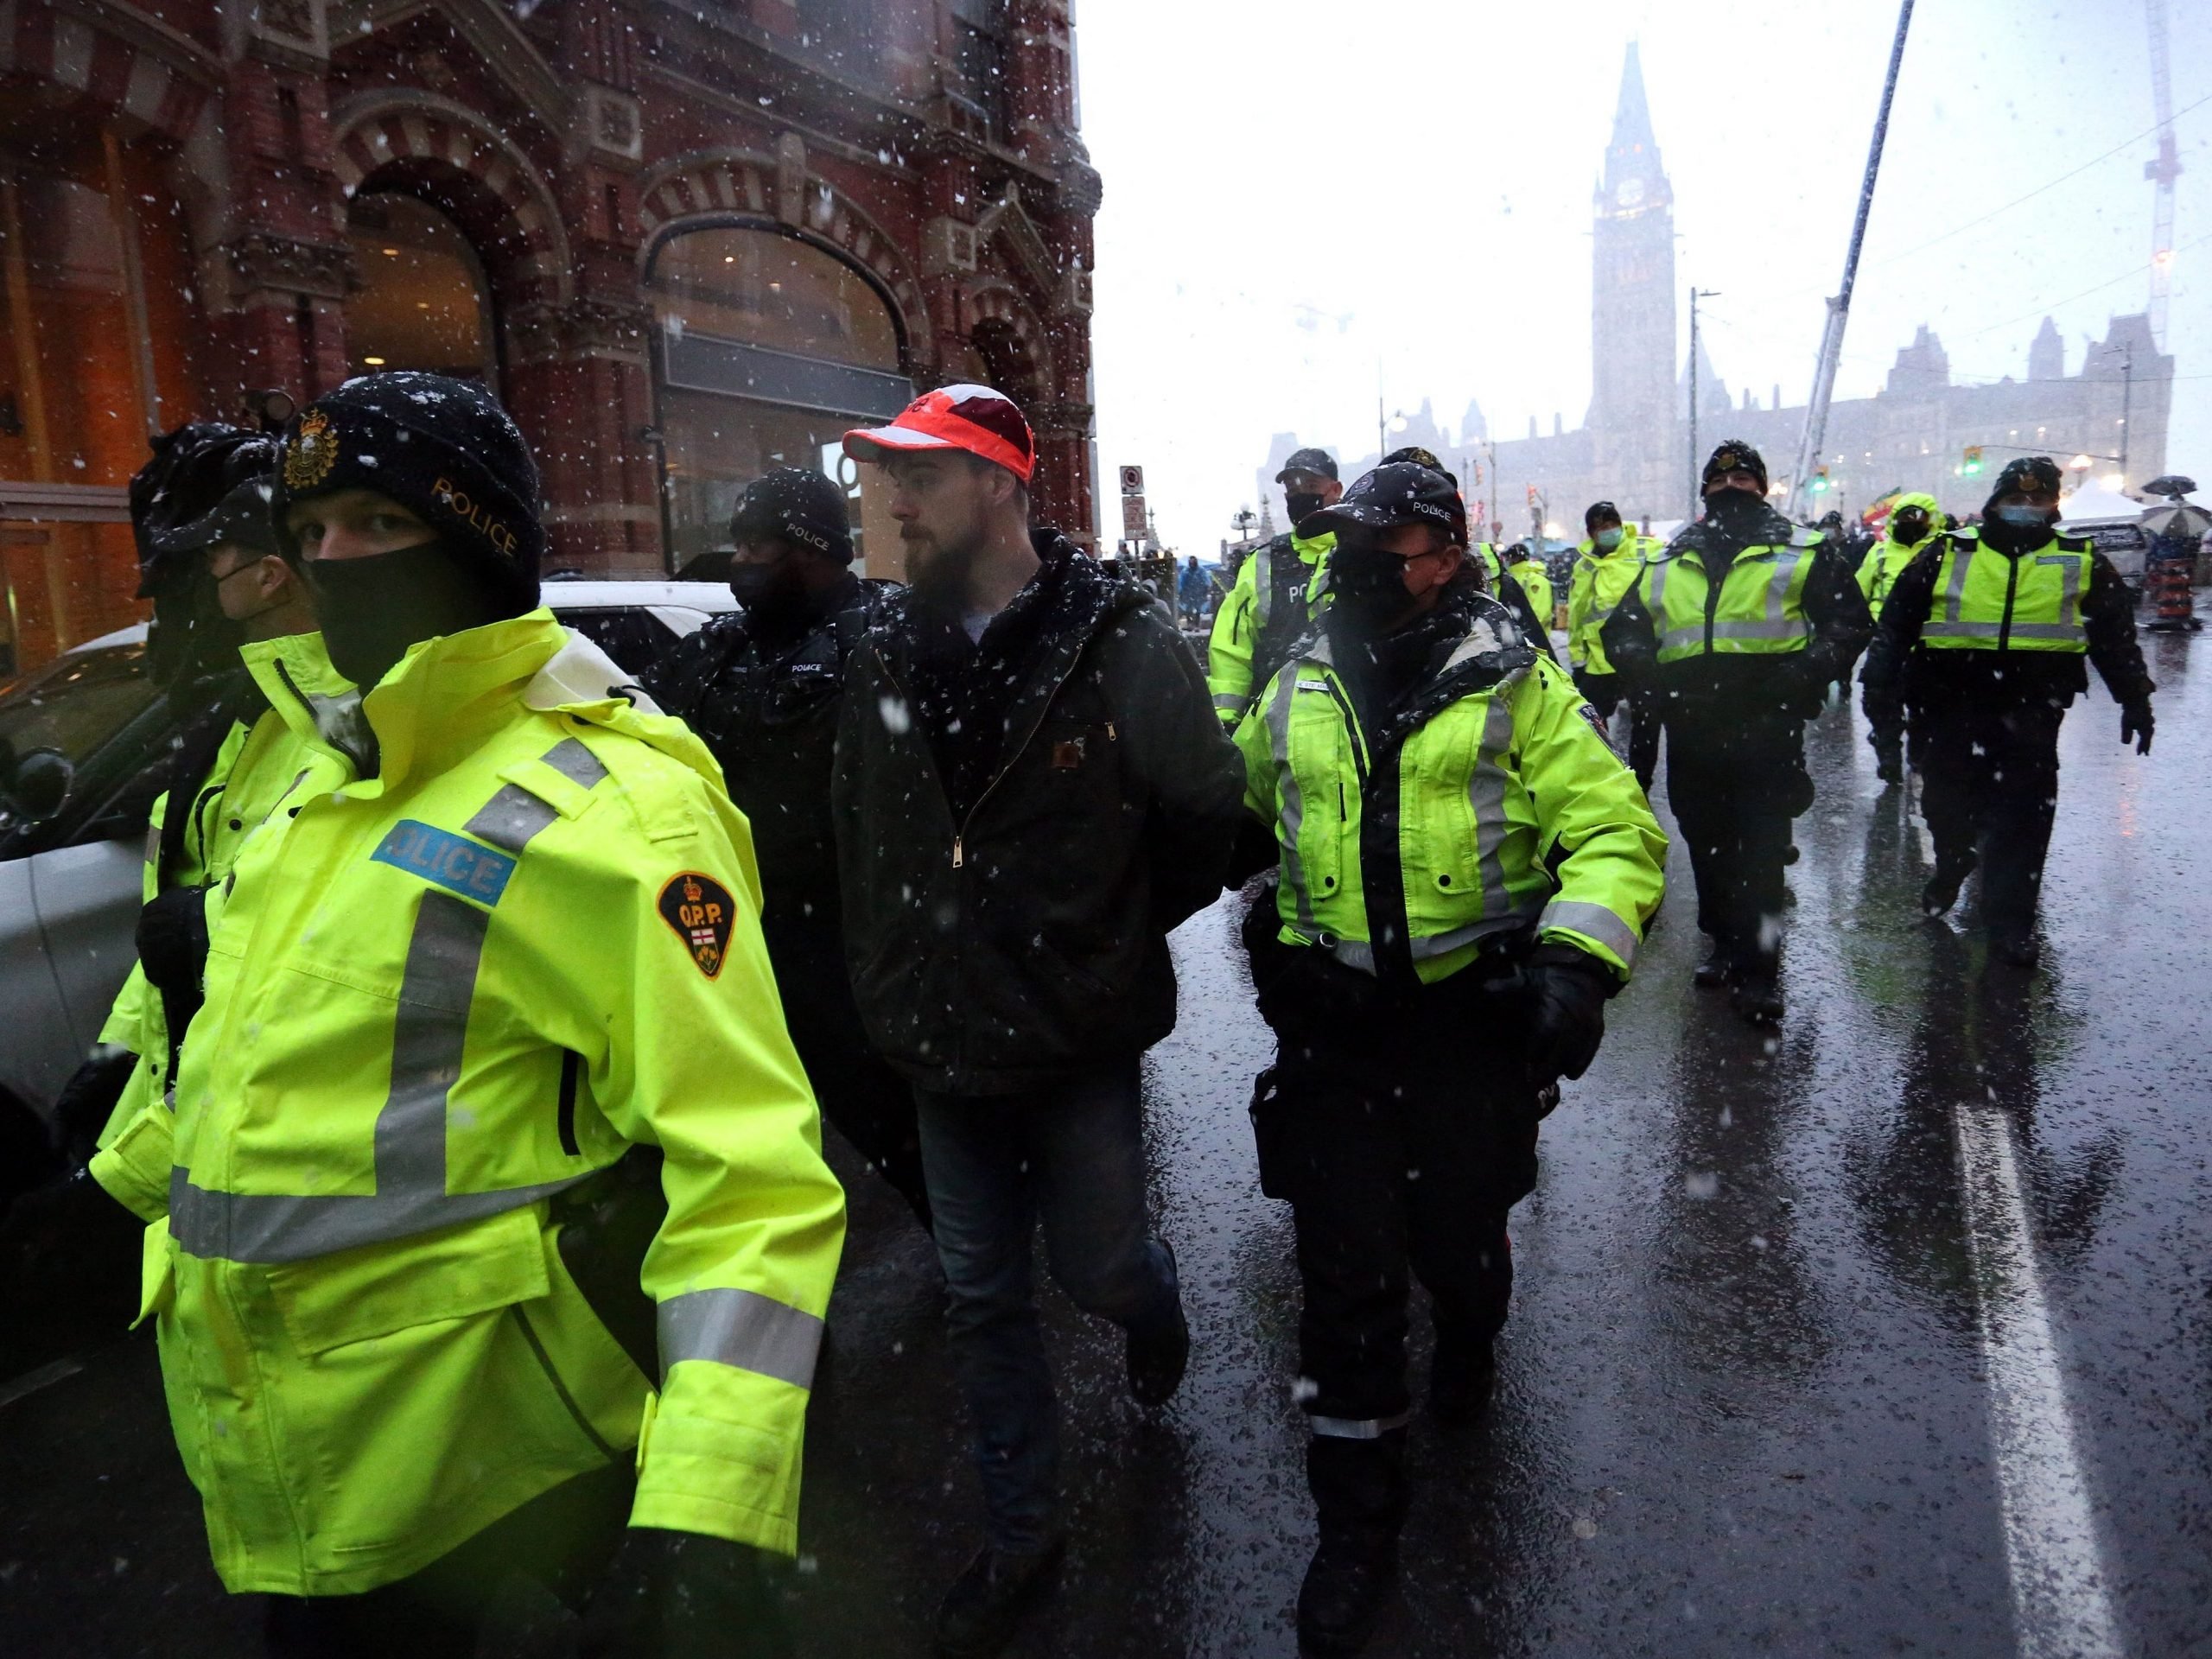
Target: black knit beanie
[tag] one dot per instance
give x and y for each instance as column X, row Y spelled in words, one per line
column 1731, row 454
column 443, row 448
column 2026, row 474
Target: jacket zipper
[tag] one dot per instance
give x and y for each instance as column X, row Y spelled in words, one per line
column 2011, row 584
column 960, row 835
column 565, row 1115
column 1712, row 600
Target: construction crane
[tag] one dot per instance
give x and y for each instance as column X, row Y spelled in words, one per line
column 2162, row 173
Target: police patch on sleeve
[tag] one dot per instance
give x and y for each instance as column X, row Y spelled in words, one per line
column 1605, row 737
column 698, row 907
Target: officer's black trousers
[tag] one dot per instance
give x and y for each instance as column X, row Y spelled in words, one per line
column 561, row 1539
column 861, row 1097
column 1402, row 1135
column 1604, row 693
column 1989, row 790
column 1734, row 797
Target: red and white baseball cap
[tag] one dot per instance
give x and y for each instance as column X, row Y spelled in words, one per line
column 975, row 419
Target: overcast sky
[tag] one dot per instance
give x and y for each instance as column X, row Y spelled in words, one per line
column 1297, row 191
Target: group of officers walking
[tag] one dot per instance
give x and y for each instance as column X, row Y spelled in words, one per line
column 468, row 1083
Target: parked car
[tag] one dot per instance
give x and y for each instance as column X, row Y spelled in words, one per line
column 84, row 741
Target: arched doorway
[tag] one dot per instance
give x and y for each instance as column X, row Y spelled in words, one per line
column 767, row 347
column 425, row 302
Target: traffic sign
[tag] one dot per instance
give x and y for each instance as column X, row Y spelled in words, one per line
column 1132, row 480
column 1133, row 516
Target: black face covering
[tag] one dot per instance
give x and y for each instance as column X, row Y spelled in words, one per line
column 1300, row 506
column 1736, row 510
column 1911, row 529
column 371, row 609
column 1370, row 585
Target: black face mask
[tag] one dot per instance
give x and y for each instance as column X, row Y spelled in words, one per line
column 1370, row 585
column 372, row 609
column 1302, row 507
column 1911, row 529
column 1734, row 509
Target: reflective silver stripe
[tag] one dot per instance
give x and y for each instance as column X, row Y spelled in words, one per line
column 741, row 1328
column 1358, row 954
column 1778, row 587
column 269, row 1228
column 1655, row 601
column 1967, row 631
column 1291, row 805
column 1262, row 587
column 1230, row 703
column 2069, row 593
column 574, row 762
column 1794, row 629
column 429, row 1031
column 1358, row 1428
column 1486, row 795
column 1682, row 638
column 2049, row 631
column 1954, row 592
column 1594, row 922
column 511, row 818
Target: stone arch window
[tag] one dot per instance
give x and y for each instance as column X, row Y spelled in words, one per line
column 767, row 347
column 423, row 302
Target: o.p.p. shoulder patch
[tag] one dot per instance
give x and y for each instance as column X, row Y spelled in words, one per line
column 699, row 908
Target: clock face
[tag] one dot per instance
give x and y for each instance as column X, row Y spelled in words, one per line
column 1630, row 192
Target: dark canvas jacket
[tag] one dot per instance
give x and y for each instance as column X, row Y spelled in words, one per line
column 1005, row 943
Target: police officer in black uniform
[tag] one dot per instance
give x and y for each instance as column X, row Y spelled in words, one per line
column 761, row 689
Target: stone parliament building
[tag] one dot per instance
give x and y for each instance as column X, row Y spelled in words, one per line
column 1633, row 446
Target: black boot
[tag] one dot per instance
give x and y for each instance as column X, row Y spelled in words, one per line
column 1359, row 1487
column 1717, row 970
column 1157, row 1355
column 980, row 1612
column 1462, row 1377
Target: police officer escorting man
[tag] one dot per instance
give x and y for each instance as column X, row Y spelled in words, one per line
column 1979, row 652
column 1481, row 891
column 1736, row 629
column 761, row 689
column 1605, row 566
column 1277, row 593
column 493, row 958
column 1913, row 519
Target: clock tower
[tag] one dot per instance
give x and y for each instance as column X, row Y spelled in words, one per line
column 1632, row 277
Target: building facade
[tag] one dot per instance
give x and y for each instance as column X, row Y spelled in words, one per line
column 2106, row 420
column 683, row 244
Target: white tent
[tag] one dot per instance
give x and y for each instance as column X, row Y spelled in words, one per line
column 2094, row 505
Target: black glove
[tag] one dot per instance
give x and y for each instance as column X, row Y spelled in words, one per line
column 87, row 1100
column 2136, row 725
column 69, row 1258
column 1568, row 991
column 683, row 1595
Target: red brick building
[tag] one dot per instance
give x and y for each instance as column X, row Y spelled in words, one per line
column 683, row 243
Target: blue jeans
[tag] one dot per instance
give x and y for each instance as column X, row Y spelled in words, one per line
column 1071, row 1150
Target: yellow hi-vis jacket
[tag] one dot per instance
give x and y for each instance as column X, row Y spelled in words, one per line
column 1593, row 588
column 1277, row 594
column 1514, row 813
column 1879, row 570
column 1760, row 610
column 1535, row 581
column 254, row 767
column 1986, row 601
column 439, row 993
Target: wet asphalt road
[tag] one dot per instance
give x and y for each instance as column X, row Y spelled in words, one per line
column 1762, row 1390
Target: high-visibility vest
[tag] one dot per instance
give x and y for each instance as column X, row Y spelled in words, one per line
column 437, row 996
column 1885, row 562
column 1501, row 769
column 252, row 772
column 1279, row 590
column 1988, row 601
column 1758, row 610
column 1597, row 584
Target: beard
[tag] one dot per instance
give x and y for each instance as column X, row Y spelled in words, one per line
column 939, row 569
